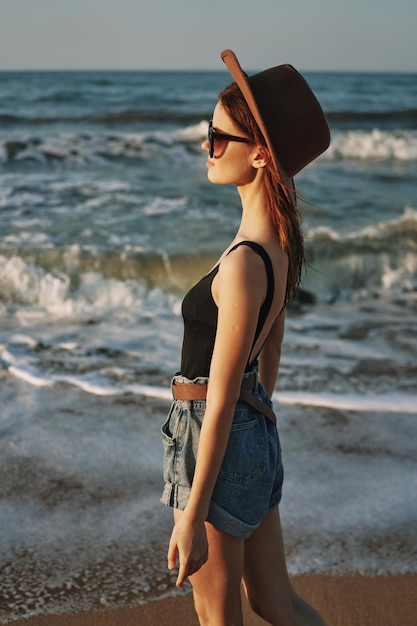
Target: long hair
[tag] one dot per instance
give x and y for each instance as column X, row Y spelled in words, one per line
column 281, row 204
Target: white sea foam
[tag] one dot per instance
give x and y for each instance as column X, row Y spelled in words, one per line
column 25, row 283
column 101, row 386
column 78, row 149
column 376, row 145
column 29, row 284
column 196, row 132
column 379, row 258
column 33, row 378
column 353, row 144
column 389, row 403
column 161, row 206
column 404, row 224
column 23, row 340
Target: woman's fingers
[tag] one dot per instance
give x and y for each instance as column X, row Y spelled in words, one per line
column 188, row 569
column 182, row 574
column 172, row 553
column 189, row 546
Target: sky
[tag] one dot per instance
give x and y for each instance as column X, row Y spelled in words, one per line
column 368, row 35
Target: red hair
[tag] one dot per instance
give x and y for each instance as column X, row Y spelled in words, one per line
column 281, row 203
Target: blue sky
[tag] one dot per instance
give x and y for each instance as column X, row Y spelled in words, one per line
column 189, row 34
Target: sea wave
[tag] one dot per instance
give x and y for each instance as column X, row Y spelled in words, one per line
column 98, row 147
column 36, row 277
column 378, row 260
column 22, row 283
column 90, row 147
column 375, row 260
column 400, row 232
column 374, row 145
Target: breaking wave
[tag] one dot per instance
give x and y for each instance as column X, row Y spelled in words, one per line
column 118, row 146
column 379, row 259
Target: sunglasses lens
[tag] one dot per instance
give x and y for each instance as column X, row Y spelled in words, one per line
column 216, row 143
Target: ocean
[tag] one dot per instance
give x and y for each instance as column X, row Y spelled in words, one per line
column 107, row 218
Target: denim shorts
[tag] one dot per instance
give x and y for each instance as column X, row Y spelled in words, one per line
column 250, row 480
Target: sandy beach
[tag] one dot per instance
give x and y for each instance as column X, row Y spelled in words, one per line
column 77, row 559
column 341, row 600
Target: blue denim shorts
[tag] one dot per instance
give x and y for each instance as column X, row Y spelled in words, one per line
column 250, row 480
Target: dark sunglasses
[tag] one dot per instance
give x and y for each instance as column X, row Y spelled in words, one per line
column 217, row 141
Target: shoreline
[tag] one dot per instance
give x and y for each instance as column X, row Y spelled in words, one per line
column 90, row 545
column 342, row 600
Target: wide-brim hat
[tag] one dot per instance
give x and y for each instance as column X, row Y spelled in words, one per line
column 287, row 112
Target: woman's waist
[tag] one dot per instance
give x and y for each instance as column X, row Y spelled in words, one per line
column 251, row 391
column 184, row 388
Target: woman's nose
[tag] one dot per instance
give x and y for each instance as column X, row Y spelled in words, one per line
column 204, row 145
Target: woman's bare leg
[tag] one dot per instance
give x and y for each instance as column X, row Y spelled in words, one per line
column 217, row 585
column 267, row 584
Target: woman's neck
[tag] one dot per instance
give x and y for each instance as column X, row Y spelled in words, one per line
column 255, row 222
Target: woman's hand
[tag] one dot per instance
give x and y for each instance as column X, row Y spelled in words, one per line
column 188, row 542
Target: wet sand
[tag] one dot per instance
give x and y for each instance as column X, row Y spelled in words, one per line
column 342, row 601
column 89, row 547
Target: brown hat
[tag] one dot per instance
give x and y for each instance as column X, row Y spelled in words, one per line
column 287, row 113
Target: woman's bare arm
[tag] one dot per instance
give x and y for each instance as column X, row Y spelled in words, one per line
column 240, row 289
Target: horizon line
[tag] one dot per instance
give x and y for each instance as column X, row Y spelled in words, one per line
column 217, row 70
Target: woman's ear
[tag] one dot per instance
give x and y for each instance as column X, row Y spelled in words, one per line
column 260, row 157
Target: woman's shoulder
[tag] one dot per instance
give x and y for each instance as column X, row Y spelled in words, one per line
column 242, row 269
column 246, row 244
column 244, row 256
column 266, row 254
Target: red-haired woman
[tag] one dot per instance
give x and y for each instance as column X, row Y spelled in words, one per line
column 222, row 467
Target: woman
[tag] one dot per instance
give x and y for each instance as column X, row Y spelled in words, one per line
column 223, row 471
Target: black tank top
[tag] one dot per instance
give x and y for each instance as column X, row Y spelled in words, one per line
column 200, row 318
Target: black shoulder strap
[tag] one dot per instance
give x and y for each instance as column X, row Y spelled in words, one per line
column 266, row 305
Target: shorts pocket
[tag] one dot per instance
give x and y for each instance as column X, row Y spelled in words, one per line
column 172, row 427
column 180, row 436
column 245, row 459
